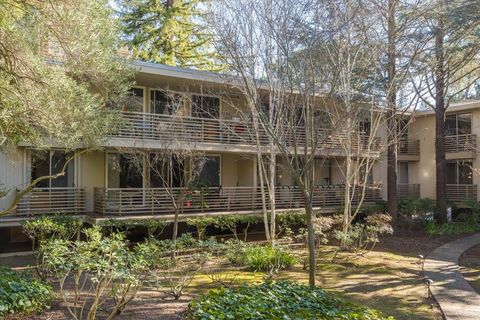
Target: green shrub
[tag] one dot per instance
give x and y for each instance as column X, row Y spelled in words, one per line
column 451, row 228
column 44, row 229
column 258, row 258
column 20, row 293
column 268, row 258
column 201, row 224
column 277, row 300
column 415, row 213
column 232, row 222
column 114, row 272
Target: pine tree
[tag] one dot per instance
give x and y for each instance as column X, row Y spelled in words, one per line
column 169, row 32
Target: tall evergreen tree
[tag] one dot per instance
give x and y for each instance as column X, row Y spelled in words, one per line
column 451, row 54
column 169, row 32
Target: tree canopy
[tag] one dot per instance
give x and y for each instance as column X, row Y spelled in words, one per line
column 171, row 32
column 59, row 69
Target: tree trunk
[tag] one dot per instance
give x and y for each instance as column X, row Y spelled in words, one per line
column 440, row 109
column 310, row 238
column 391, row 107
column 272, row 193
column 440, row 165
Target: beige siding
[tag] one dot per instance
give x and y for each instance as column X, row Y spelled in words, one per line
column 92, row 174
column 12, row 173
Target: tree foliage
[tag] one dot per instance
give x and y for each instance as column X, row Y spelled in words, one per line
column 169, row 32
column 58, row 69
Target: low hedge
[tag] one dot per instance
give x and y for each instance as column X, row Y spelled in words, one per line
column 452, row 228
column 277, row 300
column 20, row 293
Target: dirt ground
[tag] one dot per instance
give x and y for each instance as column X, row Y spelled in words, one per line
column 469, row 263
column 388, row 278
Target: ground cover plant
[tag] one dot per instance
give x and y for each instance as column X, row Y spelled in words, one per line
column 21, row 293
column 277, row 300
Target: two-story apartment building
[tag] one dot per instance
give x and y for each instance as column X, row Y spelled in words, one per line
column 417, row 154
column 170, row 108
column 173, row 108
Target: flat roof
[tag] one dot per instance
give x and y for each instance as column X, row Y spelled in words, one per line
column 153, row 68
column 454, row 107
column 183, row 73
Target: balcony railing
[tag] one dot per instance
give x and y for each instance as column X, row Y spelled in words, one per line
column 150, row 126
column 409, row 147
column 138, row 201
column 405, row 190
column 167, row 129
column 52, row 200
column 459, row 193
column 461, row 143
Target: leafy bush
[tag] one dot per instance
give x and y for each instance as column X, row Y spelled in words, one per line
column 259, row 258
column 174, row 264
column 287, row 221
column 451, row 228
column 277, row 300
column 154, row 227
column 414, row 213
column 268, row 258
column 231, row 223
column 103, row 266
column 365, row 233
column 46, row 228
column 201, row 224
column 235, row 251
column 20, row 293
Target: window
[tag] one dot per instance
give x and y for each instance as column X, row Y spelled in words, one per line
column 457, row 124
column 165, row 172
column 209, row 171
column 364, row 126
column 459, row 172
column 134, row 100
column 167, row 103
column 124, row 171
column 323, row 168
column 205, row 107
column 47, row 163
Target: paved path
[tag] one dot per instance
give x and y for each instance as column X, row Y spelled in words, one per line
column 455, row 296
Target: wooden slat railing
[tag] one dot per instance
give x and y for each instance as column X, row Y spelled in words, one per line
column 167, row 129
column 405, row 190
column 52, row 200
column 459, row 193
column 461, row 143
column 409, row 147
column 138, row 201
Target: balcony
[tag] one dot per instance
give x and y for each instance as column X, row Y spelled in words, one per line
column 408, row 150
column 166, row 131
column 156, row 201
column 51, row 201
column 461, row 146
column 405, row 190
column 459, row 193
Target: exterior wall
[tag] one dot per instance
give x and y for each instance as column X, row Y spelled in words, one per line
column 229, row 106
column 237, row 170
column 423, row 172
column 12, row 173
column 379, row 174
column 92, row 174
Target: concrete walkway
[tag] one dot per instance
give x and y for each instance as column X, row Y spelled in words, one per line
column 455, row 296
